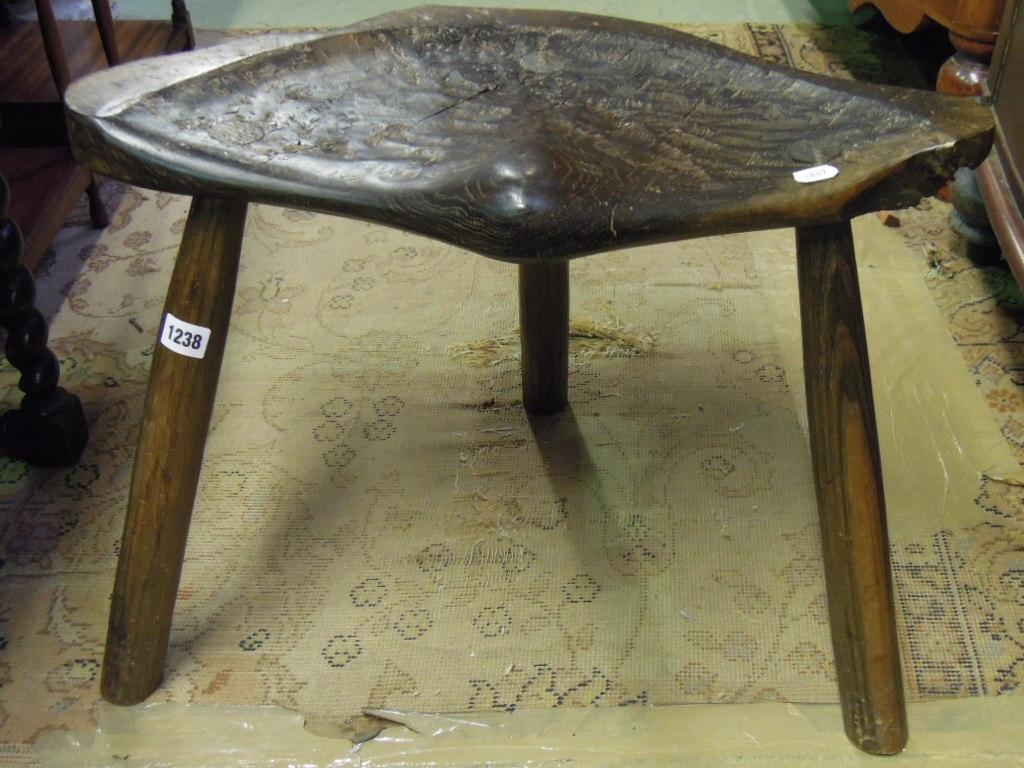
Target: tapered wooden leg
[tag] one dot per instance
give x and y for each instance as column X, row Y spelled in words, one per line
column 173, row 434
column 108, row 35
column 544, row 333
column 52, row 45
column 848, row 479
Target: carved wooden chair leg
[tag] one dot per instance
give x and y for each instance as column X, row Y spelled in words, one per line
column 49, row 429
column 848, row 478
column 182, row 384
column 544, row 335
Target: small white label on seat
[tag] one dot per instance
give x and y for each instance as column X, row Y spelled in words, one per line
column 184, row 338
column 817, row 173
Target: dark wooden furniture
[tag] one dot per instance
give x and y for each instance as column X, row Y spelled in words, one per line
column 1001, row 176
column 49, row 428
column 37, row 61
column 973, row 28
column 530, row 137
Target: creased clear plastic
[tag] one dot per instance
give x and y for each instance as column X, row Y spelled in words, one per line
column 980, row 733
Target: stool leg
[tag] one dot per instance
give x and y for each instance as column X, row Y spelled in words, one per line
column 97, row 210
column 544, row 335
column 173, row 434
column 848, row 478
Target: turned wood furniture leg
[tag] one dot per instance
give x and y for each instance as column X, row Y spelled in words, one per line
column 544, row 335
column 49, row 428
column 170, row 452
column 965, row 72
column 108, row 35
column 848, row 479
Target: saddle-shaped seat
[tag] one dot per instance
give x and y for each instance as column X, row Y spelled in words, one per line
column 532, row 137
column 515, row 134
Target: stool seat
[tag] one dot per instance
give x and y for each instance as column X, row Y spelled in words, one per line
column 521, row 134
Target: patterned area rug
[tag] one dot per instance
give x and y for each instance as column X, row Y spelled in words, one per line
column 379, row 526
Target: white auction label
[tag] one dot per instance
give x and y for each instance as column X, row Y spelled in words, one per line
column 817, row 173
column 184, row 338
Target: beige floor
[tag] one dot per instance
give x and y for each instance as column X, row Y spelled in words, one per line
column 969, row 732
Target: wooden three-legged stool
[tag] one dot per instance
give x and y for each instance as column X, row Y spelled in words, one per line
column 531, row 137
